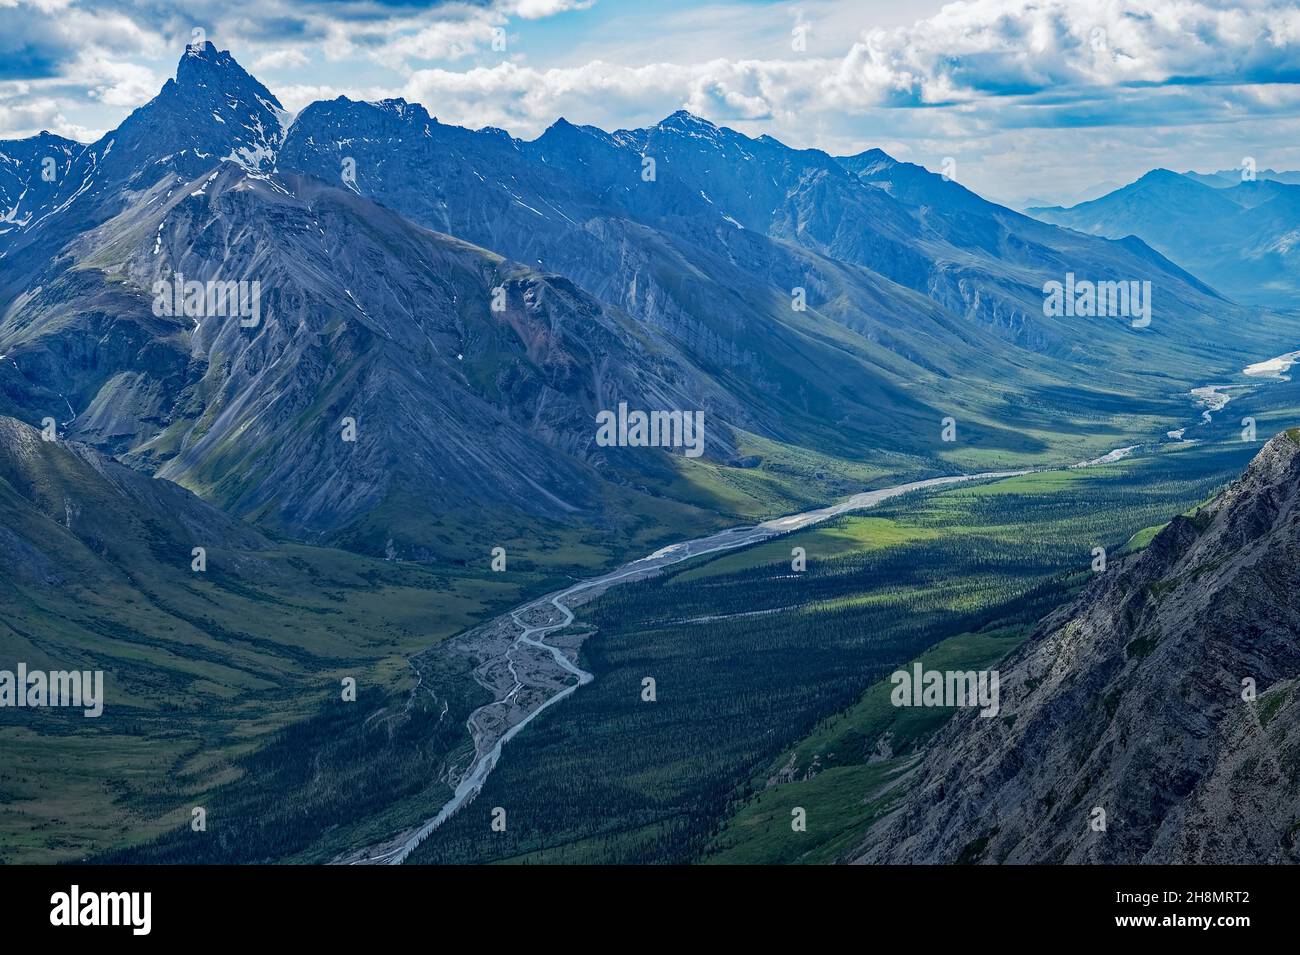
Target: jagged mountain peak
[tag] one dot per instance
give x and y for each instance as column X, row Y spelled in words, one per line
column 564, row 131
column 397, row 107
column 213, row 110
column 30, row 174
column 200, row 64
column 684, row 118
column 208, row 73
column 402, row 108
column 688, row 126
column 359, row 126
column 874, row 154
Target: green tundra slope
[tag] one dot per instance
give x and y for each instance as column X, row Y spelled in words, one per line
column 200, row 668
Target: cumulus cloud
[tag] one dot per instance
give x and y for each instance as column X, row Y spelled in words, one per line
column 1008, row 85
column 297, row 96
column 525, row 99
column 110, row 81
column 1076, row 62
column 74, row 60
column 33, row 114
column 1008, row 47
column 444, row 40
column 39, row 38
column 536, row 9
column 281, row 59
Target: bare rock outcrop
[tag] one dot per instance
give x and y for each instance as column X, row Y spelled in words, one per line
column 1163, row 697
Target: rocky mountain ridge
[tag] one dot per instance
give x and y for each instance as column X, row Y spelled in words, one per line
column 1153, row 720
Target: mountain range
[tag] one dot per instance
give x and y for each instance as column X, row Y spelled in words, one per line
column 1226, row 178
column 1241, row 236
column 826, row 314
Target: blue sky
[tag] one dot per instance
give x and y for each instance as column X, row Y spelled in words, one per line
column 1044, row 99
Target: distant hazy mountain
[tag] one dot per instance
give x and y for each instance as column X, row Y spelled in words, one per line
column 1133, row 701
column 1225, row 178
column 1243, row 238
column 1064, row 197
column 818, row 311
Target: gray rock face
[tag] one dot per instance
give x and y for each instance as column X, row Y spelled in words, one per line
column 362, row 315
column 459, row 406
column 1130, row 700
column 688, row 255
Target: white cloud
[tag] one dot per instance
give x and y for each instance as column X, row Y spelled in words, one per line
column 283, row 58
column 43, row 113
column 526, row 99
column 537, row 9
column 1008, row 47
column 112, row 82
column 442, row 40
column 999, row 53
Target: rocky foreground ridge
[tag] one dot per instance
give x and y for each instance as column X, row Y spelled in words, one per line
column 1135, row 700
